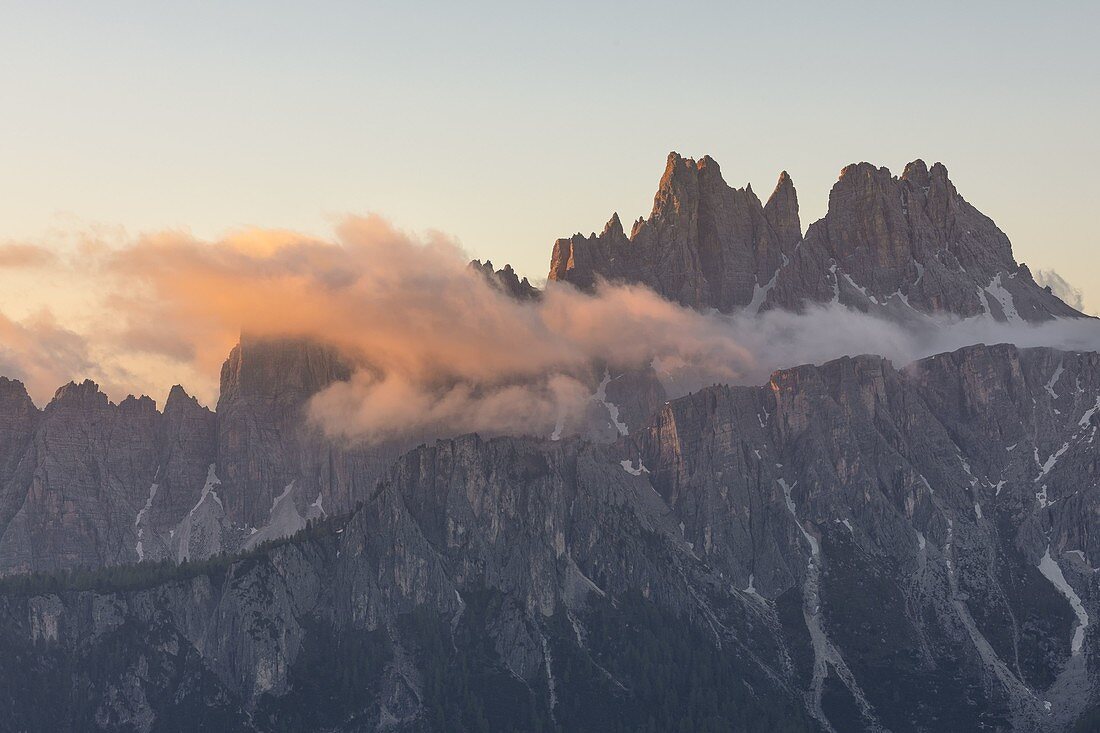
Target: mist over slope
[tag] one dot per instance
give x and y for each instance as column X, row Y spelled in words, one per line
column 436, row 346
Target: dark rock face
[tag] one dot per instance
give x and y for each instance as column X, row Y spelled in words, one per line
column 705, row 244
column 18, row 418
column 932, row 521
column 90, row 483
column 506, row 280
column 261, row 420
column 513, row 553
column 903, row 246
column 187, row 450
column 869, row 548
column 81, row 480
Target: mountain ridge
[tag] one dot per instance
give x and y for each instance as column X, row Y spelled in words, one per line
column 707, row 245
column 856, row 533
column 851, row 545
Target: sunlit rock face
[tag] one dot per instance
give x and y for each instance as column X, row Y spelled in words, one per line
column 906, row 247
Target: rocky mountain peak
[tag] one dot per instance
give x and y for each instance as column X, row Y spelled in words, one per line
column 916, row 173
column 613, row 228
column 180, row 402
column 678, row 188
column 17, row 418
column 142, row 404
column 781, row 211
column 14, row 396
column 86, row 394
column 906, row 247
column 505, row 280
column 283, row 369
column 704, row 244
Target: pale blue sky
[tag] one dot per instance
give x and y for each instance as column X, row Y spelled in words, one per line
column 510, row 124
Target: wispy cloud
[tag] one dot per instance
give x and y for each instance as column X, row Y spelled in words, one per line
column 42, row 354
column 19, row 255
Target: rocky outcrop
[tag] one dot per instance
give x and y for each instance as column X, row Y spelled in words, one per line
column 506, row 280
column 911, row 245
column 186, row 455
column 904, row 247
column 90, row 483
column 82, row 480
column 276, row 469
column 263, row 436
column 705, row 244
column 18, row 418
column 87, row 482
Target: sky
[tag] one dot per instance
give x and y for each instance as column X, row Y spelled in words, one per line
column 508, row 125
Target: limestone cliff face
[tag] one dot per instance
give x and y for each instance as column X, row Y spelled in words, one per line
column 87, row 482
column 263, row 438
column 903, row 246
column 940, row 511
column 90, row 483
column 705, row 244
column 276, row 469
column 874, row 548
column 82, row 480
column 18, row 418
column 516, row 551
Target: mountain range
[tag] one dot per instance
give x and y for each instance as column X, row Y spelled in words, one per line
column 854, row 545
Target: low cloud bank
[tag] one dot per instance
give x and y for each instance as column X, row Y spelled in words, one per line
column 1061, row 287
column 439, row 351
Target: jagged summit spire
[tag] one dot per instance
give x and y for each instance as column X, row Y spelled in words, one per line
column 908, row 244
column 916, row 172
column 613, row 227
column 505, row 280
column 709, row 245
column 781, row 212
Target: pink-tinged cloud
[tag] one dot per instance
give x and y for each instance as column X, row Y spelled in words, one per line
column 42, row 354
column 437, row 349
column 15, row 255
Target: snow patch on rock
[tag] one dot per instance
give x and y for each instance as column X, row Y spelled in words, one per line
column 1050, row 569
column 612, row 409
